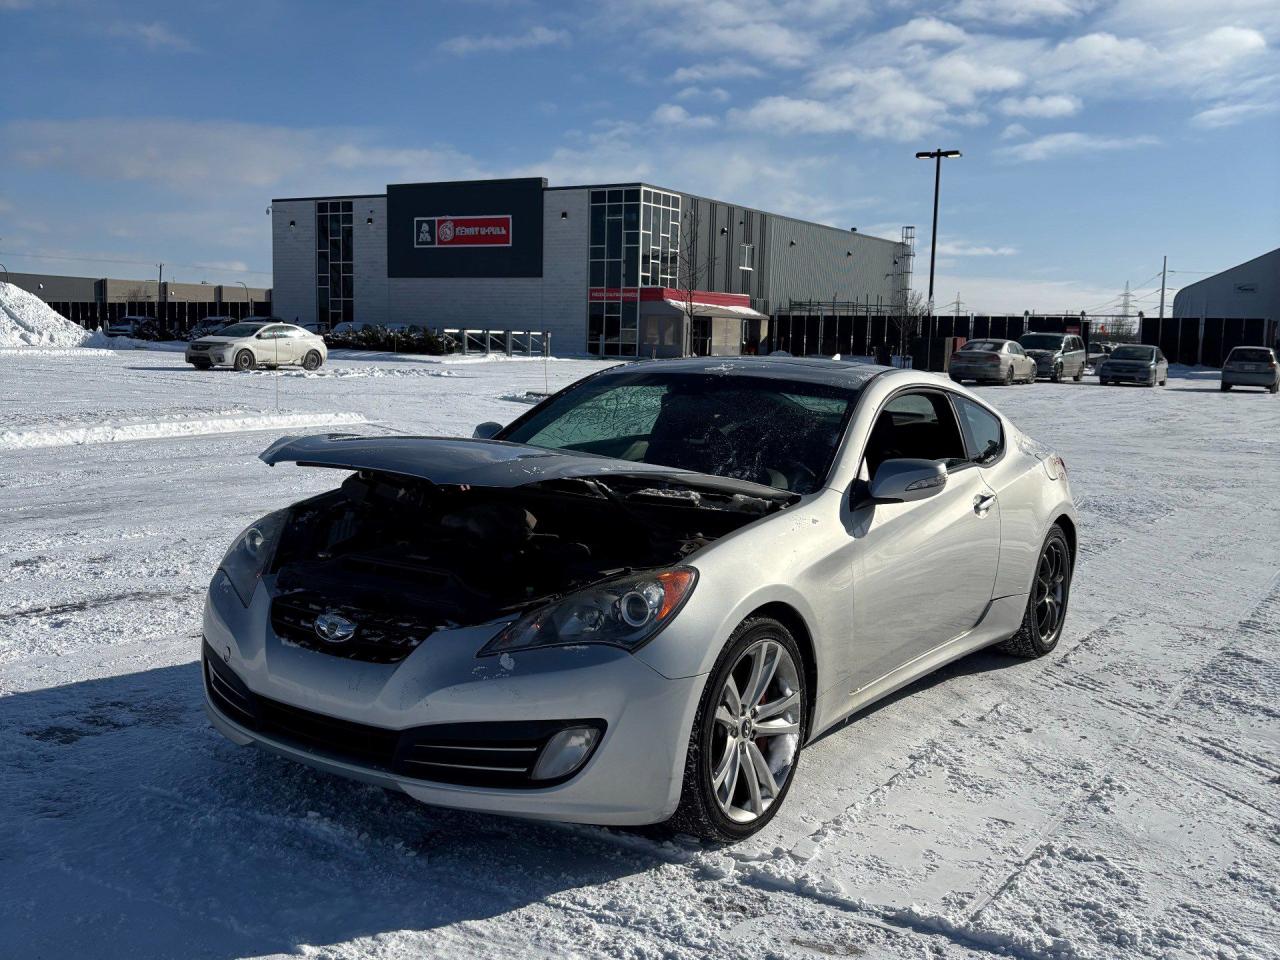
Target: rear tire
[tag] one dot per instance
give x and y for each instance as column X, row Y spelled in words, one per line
column 1226, row 387
column 1079, row 374
column 1047, row 602
column 245, row 360
column 312, row 360
column 1008, row 377
column 717, row 731
column 1274, row 388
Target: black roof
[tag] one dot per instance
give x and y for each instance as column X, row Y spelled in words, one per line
column 845, row 373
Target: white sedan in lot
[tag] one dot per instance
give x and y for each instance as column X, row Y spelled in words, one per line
column 248, row 345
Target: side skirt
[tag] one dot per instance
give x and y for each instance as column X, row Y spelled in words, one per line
column 999, row 622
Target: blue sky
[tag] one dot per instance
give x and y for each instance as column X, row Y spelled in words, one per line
column 1097, row 135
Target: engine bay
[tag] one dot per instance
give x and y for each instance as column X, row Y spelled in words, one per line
column 401, row 557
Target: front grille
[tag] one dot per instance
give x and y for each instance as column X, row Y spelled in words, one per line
column 379, row 637
column 199, row 347
column 498, row 754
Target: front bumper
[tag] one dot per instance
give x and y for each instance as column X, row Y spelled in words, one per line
column 1145, row 375
column 208, row 356
column 632, row 777
column 1240, row 378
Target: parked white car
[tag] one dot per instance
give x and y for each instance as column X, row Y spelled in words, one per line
column 248, row 345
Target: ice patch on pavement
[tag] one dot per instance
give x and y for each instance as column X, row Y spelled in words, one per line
column 124, row 431
column 27, row 321
column 342, row 373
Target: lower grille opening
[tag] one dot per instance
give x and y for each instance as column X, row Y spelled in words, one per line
column 500, row 754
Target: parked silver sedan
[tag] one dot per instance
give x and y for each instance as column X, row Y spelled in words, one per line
column 1134, row 363
column 640, row 600
column 992, row 361
column 248, row 345
column 1251, row 367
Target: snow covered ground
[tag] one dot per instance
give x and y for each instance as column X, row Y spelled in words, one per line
column 1120, row 798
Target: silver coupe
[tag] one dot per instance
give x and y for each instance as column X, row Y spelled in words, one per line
column 641, row 599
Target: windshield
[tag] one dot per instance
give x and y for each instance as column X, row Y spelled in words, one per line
column 781, row 433
column 241, row 330
column 1133, row 352
column 994, row 345
column 1041, row 341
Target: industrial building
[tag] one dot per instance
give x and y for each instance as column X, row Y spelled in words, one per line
column 1251, row 289
column 98, row 301
column 619, row 270
column 1238, row 307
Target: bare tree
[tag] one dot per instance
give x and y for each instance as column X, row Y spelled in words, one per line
column 692, row 272
column 906, row 325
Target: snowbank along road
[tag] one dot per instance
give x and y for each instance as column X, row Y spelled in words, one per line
column 1119, row 798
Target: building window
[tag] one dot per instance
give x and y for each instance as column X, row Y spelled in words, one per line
column 746, row 256
column 335, row 260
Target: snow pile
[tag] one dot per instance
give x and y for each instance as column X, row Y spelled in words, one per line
column 119, row 432
column 27, row 321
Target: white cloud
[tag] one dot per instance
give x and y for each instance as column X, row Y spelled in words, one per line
column 722, row 70
column 718, row 94
column 155, row 36
column 1056, row 105
column 534, row 37
column 1018, row 11
column 1230, row 114
column 1014, row 131
column 191, row 155
column 956, row 249
column 781, row 32
column 1055, row 145
column 674, row 115
column 997, row 296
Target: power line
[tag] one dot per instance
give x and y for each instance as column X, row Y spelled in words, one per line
column 136, row 263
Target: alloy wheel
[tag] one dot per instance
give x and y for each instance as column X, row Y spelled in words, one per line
column 756, row 731
column 1051, row 590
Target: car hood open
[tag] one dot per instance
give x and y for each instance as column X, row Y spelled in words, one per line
column 449, row 461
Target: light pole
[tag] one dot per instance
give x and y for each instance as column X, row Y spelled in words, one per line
column 936, row 156
column 246, row 296
column 6, row 272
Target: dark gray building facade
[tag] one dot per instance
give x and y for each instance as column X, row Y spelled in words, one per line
column 622, row 270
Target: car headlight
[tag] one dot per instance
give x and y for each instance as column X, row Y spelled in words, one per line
column 626, row 613
column 249, row 555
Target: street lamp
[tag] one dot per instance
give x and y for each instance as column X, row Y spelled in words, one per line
column 246, row 296
column 936, row 156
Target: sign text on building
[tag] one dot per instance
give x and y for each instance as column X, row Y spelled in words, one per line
column 487, row 231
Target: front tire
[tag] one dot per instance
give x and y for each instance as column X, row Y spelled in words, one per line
column 1226, row 387
column 1047, row 604
column 312, row 360
column 746, row 736
column 1056, row 376
column 245, row 360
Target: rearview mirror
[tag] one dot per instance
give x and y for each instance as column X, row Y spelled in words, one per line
column 905, row 480
column 487, row 430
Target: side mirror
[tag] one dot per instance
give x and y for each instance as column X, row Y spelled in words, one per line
column 905, row 480
column 486, row 430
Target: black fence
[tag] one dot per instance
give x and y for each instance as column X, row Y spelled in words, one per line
column 173, row 316
column 1206, row 340
column 826, row 334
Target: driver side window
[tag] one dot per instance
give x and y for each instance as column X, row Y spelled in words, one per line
column 917, row 425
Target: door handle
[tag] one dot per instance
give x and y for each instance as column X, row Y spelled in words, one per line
column 982, row 503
